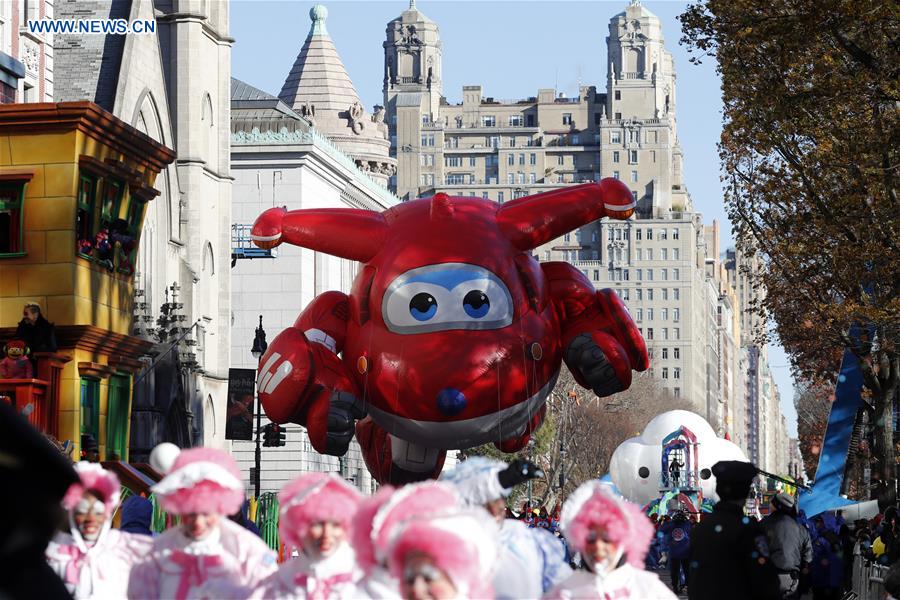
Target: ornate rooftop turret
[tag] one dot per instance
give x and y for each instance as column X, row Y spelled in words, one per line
column 319, row 89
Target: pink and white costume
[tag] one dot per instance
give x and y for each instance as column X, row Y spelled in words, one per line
column 228, row 561
column 225, row 564
column 593, row 505
column 377, row 582
column 98, row 569
column 376, row 527
column 309, row 499
column 463, row 544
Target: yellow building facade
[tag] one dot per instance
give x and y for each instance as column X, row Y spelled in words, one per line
column 74, row 185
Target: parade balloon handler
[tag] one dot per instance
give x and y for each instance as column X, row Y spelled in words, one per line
column 377, row 582
column 729, row 552
column 314, row 517
column 207, row 555
column 789, row 544
column 93, row 560
column 453, row 335
column 532, row 560
column 446, row 556
column 613, row 537
column 677, row 533
column 417, row 500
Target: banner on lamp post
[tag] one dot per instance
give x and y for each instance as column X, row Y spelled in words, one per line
column 239, row 418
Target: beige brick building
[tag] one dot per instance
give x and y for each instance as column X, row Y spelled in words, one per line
column 663, row 263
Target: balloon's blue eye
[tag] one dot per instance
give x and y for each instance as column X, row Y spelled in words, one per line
column 422, row 306
column 476, row 304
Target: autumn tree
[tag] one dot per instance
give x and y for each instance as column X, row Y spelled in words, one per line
column 581, row 432
column 809, row 156
column 813, row 404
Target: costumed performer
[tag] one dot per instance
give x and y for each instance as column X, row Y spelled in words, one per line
column 532, row 560
column 207, row 555
column 445, row 556
column 613, row 537
column 92, row 559
column 315, row 511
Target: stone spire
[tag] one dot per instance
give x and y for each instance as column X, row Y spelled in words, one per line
column 318, row 77
column 319, row 89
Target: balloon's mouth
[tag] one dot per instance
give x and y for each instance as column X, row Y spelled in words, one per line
column 466, row 433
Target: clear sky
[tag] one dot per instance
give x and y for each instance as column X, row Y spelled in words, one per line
column 511, row 49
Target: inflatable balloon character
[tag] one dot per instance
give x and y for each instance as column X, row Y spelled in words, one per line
column 452, row 335
column 677, row 449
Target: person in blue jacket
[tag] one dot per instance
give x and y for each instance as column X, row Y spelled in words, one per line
column 137, row 514
column 677, row 534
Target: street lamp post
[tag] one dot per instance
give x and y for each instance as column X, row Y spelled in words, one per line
column 259, row 348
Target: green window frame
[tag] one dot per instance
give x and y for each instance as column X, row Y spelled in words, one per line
column 85, row 215
column 12, row 218
column 90, row 408
column 118, row 410
column 134, row 218
column 112, row 200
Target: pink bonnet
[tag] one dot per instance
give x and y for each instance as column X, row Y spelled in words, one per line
column 92, row 476
column 593, row 505
column 201, row 480
column 311, row 498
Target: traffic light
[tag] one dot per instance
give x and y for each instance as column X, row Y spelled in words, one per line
column 273, row 436
column 279, row 435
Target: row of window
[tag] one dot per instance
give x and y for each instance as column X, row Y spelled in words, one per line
column 664, row 254
column 663, row 314
column 620, row 233
column 664, row 353
column 676, row 372
column 639, row 293
column 619, row 274
column 664, row 333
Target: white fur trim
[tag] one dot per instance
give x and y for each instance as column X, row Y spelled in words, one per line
column 193, row 473
column 398, row 497
column 475, row 479
column 307, row 494
column 472, row 526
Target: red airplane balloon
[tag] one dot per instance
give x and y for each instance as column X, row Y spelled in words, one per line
column 452, row 335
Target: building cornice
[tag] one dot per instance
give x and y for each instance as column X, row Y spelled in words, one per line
column 255, row 137
column 90, row 119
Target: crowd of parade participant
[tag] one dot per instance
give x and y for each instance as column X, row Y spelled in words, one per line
column 438, row 539
column 450, row 538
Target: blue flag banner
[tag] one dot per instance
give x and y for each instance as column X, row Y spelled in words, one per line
column 826, row 492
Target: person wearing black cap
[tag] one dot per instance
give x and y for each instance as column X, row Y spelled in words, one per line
column 729, row 555
column 789, row 544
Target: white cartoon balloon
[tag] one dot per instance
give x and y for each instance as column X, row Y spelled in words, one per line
column 636, row 464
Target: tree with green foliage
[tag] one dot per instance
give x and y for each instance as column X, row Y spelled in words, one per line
column 809, row 156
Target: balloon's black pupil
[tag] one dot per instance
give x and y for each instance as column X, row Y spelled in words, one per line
column 475, row 299
column 422, row 302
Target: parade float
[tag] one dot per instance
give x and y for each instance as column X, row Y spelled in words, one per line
column 668, row 467
column 453, row 334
